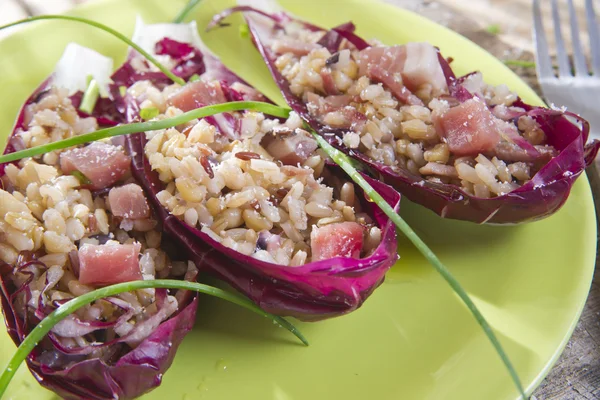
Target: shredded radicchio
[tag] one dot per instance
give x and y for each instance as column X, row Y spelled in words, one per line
column 98, row 370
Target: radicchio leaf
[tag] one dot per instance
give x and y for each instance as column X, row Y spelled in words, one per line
column 542, row 196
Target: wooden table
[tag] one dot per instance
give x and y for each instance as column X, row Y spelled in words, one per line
column 504, row 29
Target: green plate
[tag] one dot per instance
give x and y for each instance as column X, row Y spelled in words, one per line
column 413, row 339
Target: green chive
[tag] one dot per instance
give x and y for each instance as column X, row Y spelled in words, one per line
column 84, row 180
column 493, row 29
column 244, row 31
column 194, row 78
column 344, row 162
column 107, row 29
column 264, row 108
column 41, row 329
column 122, row 90
column 520, row 63
column 149, row 113
column 90, row 97
column 186, row 10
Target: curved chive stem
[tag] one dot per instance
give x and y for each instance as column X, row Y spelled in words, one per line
column 107, row 29
column 186, row 10
column 264, row 108
column 345, row 163
column 38, row 333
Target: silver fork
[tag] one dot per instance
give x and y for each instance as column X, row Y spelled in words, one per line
column 579, row 92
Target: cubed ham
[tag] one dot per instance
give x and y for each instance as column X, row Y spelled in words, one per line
column 128, row 202
column 103, row 164
column 343, row 239
column 197, row 94
column 291, row 149
column 402, row 69
column 423, row 66
column 391, row 59
column 102, row 265
column 469, row 128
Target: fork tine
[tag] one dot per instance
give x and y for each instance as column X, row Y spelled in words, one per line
column 543, row 63
column 578, row 57
column 594, row 36
column 564, row 68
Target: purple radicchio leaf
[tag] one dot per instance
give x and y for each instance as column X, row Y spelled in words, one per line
column 542, row 196
column 189, row 60
column 128, row 372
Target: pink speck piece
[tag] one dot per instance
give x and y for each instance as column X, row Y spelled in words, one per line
column 469, row 136
column 103, row 164
column 102, row 265
column 197, row 94
column 343, row 239
column 128, row 201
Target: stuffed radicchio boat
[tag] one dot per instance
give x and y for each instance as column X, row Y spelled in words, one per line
column 74, row 220
column 460, row 147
